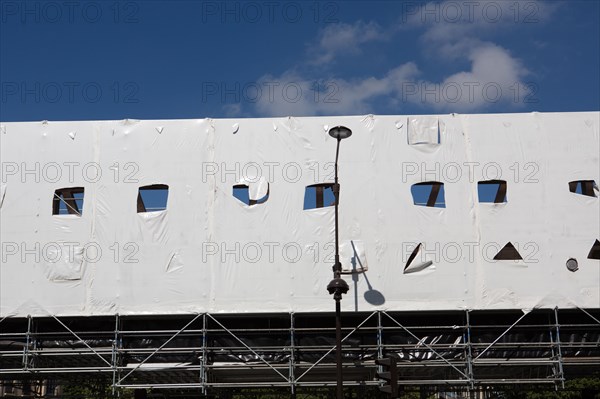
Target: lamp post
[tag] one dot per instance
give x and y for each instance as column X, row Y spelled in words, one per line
column 338, row 286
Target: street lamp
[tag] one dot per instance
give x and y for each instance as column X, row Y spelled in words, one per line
column 338, row 286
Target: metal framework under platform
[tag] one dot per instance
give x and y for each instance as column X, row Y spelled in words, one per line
column 211, row 352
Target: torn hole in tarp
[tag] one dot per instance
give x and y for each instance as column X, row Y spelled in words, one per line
column 508, row 252
column 353, row 256
column 429, row 193
column 68, row 201
column 417, row 261
column 594, row 251
column 65, row 262
column 152, row 198
column 589, row 188
column 174, row 263
column 492, row 191
column 319, row 196
column 2, row 193
column 252, row 191
column 424, row 130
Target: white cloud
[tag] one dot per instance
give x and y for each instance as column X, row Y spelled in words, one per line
column 456, row 30
column 296, row 95
column 495, row 75
column 452, row 20
column 343, row 38
column 453, row 28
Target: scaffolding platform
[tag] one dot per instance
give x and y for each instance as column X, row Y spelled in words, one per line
column 209, row 352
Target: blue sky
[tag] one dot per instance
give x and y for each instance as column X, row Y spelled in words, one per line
column 185, row 59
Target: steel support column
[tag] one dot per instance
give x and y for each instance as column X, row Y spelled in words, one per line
column 561, row 373
column 203, row 360
column 114, row 356
column 469, row 351
column 27, row 345
column 292, row 358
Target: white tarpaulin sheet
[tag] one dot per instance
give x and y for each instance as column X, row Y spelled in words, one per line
column 209, row 251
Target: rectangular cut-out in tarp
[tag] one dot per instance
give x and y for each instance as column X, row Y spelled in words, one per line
column 319, row 196
column 429, row 194
column 152, row 198
column 588, row 188
column 492, row 191
column 68, row 201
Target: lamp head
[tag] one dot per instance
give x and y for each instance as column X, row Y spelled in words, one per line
column 340, row 132
column 337, row 286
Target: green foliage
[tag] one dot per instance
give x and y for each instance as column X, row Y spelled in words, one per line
column 574, row 389
column 86, row 389
column 90, row 388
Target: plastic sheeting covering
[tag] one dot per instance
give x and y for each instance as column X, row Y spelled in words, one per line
column 210, row 252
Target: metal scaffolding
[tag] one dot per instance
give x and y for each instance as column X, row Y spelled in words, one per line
column 206, row 352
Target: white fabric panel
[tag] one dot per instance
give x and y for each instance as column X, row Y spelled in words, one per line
column 423, row 130
column 209, row 252
column 353, row 256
